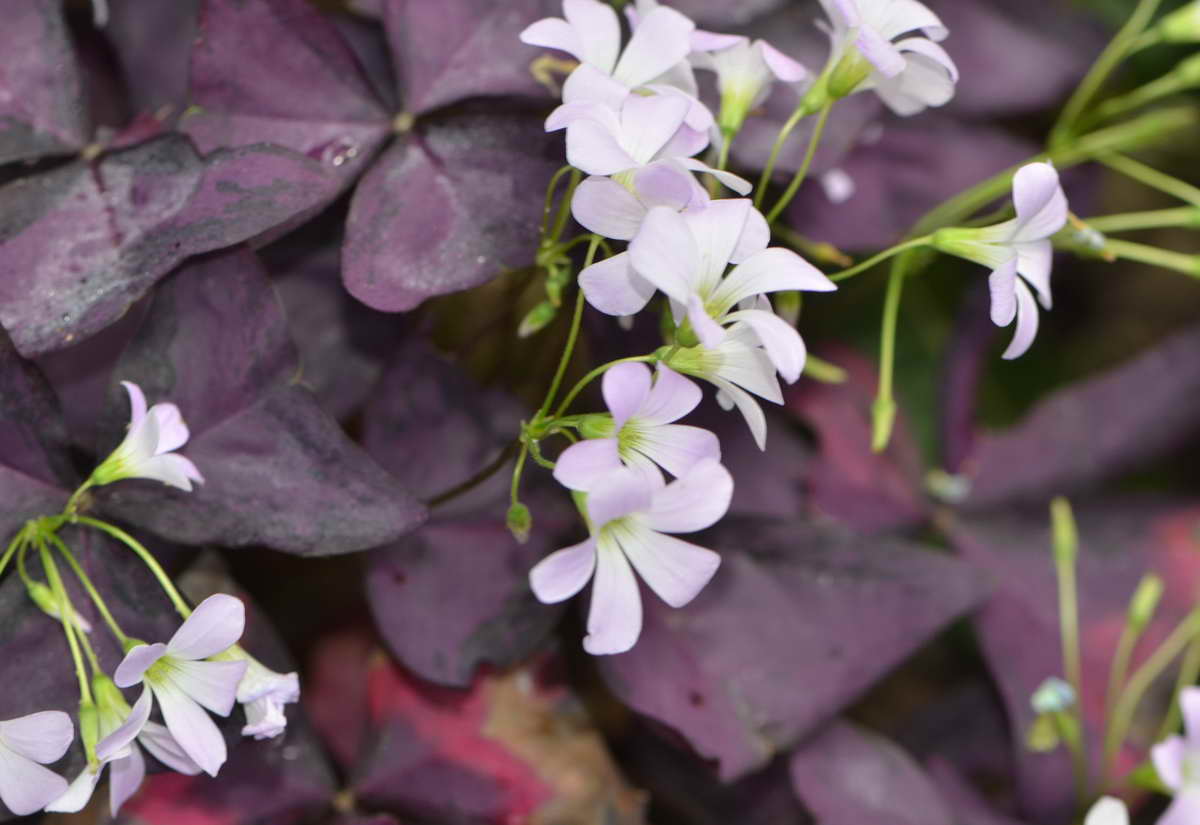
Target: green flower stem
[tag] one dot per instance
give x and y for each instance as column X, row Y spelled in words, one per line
column 73, row 501
column 1119, row 670
column 1152, row 177
column 803, row 110
column 1189, row 671
column 1157, row 89
column 723, row 156
column 65, row 611
column 859, row 268
column 572, row 338
column 1183, row 216
column 593, row 375
column 564, row 207
column 17, row 542
column 474, row 481
column 86, row 581
column 794, row 187
column 1177, row 261
column 1066, row 550
column 884, row 409
column 1117, row 50
column 548, row 206
column 820, row 370
column 147, row 558
column 1183, row 635
column 518, row 469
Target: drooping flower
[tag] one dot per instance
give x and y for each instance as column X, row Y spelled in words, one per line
column 26, row 744
column 1177, row 759
column 745, row 72
column 120, row 729
column 640, row 427
column 631, row 514
column 685, row 256
column 262, row 693
column 148, row 448
column 1109, row 811
column 1018, row 247
column 184, row 684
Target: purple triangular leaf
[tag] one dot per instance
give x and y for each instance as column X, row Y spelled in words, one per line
column 792, row 605
column 42, row 106
column 1094, row 430
column 447, row 208
column 279, row 471
column 84, row 241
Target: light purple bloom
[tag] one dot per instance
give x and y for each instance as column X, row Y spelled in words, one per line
column 1177, row 761
column 184, row 684
column 1109, row 811
column 263, row 693
column 641, row 423
column 27, row 743
column 148, row 448
column 631, row 514
column 745, row 72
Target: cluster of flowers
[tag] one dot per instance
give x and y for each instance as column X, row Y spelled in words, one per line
column 200, row 668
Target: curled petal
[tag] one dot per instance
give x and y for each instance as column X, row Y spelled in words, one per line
column 598, row 30
column 137, row 402
column 192, row 727
column 615, row 618
column 1189, row 703
column 928, row 78
column 1027, row 323
column 782, row 66
column 771, row 270
column 710, row 333
column 172, row 432
column 662, row 39
column 553, row 33
column 1034, row 261
column 728, row 179
column 582, row 465
column 748, row 407
column 625, row 388
column 563, row 573
column 265, row 718
column 879, row 51
column 120, row 739
column 78, row 793
column 171, row 469
column 1040, row 202
column 1169, row 757
column 614, row 287
column 589, row 84
column 214, row 626
column 745, row 363
column 1003, row 285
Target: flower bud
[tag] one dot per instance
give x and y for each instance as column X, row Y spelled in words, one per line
column 89, row 728
column 1043, row 736
column 45, row 599
column 1145, row 601
column 787, row 306
column 1054, row 695
column 519, row 521
column 1066, row 537
column 1182, row 25
column 537, row 319
column 850, row 73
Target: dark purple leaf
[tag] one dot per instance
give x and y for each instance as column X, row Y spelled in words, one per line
column 42, row 105
column 81, row 243
column 968, row 806
column 967, row 357
column 457, row 49
column 1094, row 430
column 848, row 775
column 448, row 207
column 278, row 471
column 719, row 13
column 796, row 624
column 152, row 42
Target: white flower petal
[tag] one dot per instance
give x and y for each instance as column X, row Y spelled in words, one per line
column 673, row 568
column 782, row 342
column 213, row 685
column 728, row 179
column 783, row 67
column 670, row 399
column 117, row 742
column 214, row 626
column 694, row 501
column 1027, row 323
column 139, row 658
column 163, row 747
column 663, row 183
column 191, row 727
column 172, row 432
column 78, row 793
column 677, row 447
column 661, row 40
column 25, row 786
column 599, row 32
column 613, row 287
column 124, row 778
column 747, row 365
column 43, row 737
column 618, row 494
column 649, row 123
column 1169, row 757
column 1034, row 261
column 615, row 618
column 664, row 253
column 581, row 465
column 625, row 387
column 265, row 718
column 553, row 33
column 593, row 148
column 137, row 402
column 1040, row 202
column 603, row 206
column 1185, row 810
column 717, row 229
column 749, row 408
column 710, row 333
column 771, row 270
column 171, row 469
column 879, row 51
column 563, row 573
column 1189, row 703
column 588, row 84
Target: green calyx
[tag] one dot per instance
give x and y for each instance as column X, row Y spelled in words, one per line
column 596, row 425
column 848, row 75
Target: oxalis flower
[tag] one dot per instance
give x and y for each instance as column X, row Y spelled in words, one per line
column 1021, row 247
column 184, row 684
column 27, row 743
column 630, row 514
column 1177, row 761
column 262, row 693
column 1109, row 811
column 640, row 428
column 745, row 72
column 149, row 445
column 120, row 730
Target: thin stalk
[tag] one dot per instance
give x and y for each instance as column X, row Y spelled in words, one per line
column 572, row 337
column 147, row 558
column 1152, row 177
column 802, row 111
column 564, row 208
column 1182, row 216
column 1120, row 667
column 1176, row 261
column 474, row 481
column 16, row 542
column 1189, row 671
column 518, row 469
column 1113, row 54
column 821, row 370
column 65, row 611
column 794, row 187
column 723, row 155
column 86, row 581
column 880, row 258
column 1156, row 89
column 1066, row 548
column 592, row 376
column 548, row 206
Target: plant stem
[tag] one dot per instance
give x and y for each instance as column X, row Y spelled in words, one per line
column 1117, row 675
column 1182, row 216
column 1177, row 261
column 884, row 408
column 813, row 141
column 65, row 612
column 1113, row 54
column 1066, row 549
column 820, row 370
column 474, row 481
column 723, row 155
column 548, row 206
column 86, row 581
column 1152, row 177
column 572, row 337
column 564, row 208
column 518, row 469
column 16, row 542
column 880, row 258
column 1189, row 670
column 1157, row 89
column 593, row 375
column 802, row 111
column 147, row 558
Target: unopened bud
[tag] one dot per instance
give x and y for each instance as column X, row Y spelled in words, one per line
column 537, row 319
column 1182, row 25
column 850, row 73
column 1145, row 601
column 1043, row 736
column 1066, row 537
column 45, row 599
column 519, row 521
column 89, row 727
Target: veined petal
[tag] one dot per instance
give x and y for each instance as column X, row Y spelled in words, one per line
column 191, row 726
column 748, row 407
column 593, row 148
column 214, row 626
column 1027, row 323
column 583, row 464
column 1169, row 757
column 124, row 778
column 1185, row 810
column 133, row 667
column 603, row 206
column 780, row 339
column 771, row 270
column 686, row 142
column 163, row 747
column 696, row 500
column 677, row 447
column 649, row 123
column 663, row 184
column 928, row 78
column 618, row 494
column 747, row 365
column 563, row 573
column 598, row 30
column 554, row 33
column 728, row 179
column 1003, row 285
column 717, row 230
column 680, row 81
column 119, row 740
column 211, row 684
column 43, row 737
column 665, row 254
column 673, row 568
column 1034, row 260
column 589, row 84
column 265, row 718
column 137, row 402
column 27, row 787
column 1040, row 202
column 670, row 399
column 755, row 237
column 897, row 17
column 615, row 618
column 613, row 287
column 662, row 39
column 78, row 793
column 626, row 388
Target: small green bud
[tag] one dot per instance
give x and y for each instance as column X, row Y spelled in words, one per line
column 787, row 305
column 883, row 419
column 850, row 73
column 1188, row 70
column 947, row 487
column 556, row 282
column 537, row 319
column 686, row 336
column 89, row 728
column 520, row 521
column 1043, row 736
column 1054, row 695
column 596, row 425
column 45, row 599
column 1182, row 25
column 1145, row 601
column 1066, row 537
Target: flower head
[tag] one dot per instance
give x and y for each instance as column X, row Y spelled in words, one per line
column 262, row 693
column 745, row 72
column 631, row 514
column 27, row 743
column 148, row 448
column 1018, row 247
column 1177, row 761
column 184, row 684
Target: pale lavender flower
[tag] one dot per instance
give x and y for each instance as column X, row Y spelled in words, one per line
column 148, row 448
column 640, row 428
column 184, row 684
column 1177, row 761
column 1109, row 811
column 27, row 743
column 1020, row 246
column 685, row 256
column 262, row 693
column 631, row 513
column 745, row 73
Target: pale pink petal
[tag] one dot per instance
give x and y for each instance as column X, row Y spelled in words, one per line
column 680, row 81
column 664, row 253
column 670, row 399
column 1189, row 704
column 613, row 287
column 133, row 667
column 745, row 363
column 782, row 66
column 172, row 432
column 171, row 469
column 717, row 229
column 732, row 181
column 686, row 141
column 928, row 79
column 25, row 786
column 563, row 116
column 1170, row 757
column 704, row 41
column 211, row 684
column 674, row 569
column 1185, row 810
column 137, row 402
column 214, row 626
column 615, row 618
column 771, row 270
column 1034, row 261
column 603, row 206
column 649, row 123
column 755, row 237
column 163, row 747
column 844, row 12
column 593, row 148
column 78, row 793
column 191, row 726
column 120, row 739
column 663, row 184
column 1040, row 202
column 563, row 573
column 780, row 339
column 625, row 388
column 879, row 52
column 265, row 718
column 598, row 29
column 1027, row 323
column 710, row 333
column 43, row 737
column 618, row 494
column 662, row 39
column 677, row 447
column 694, row 501
column 749, row 408
column 581, row 465
column 124, row 778
column 902, row 16
column 587, row 84
column 1003, row 285
column 554, row 33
